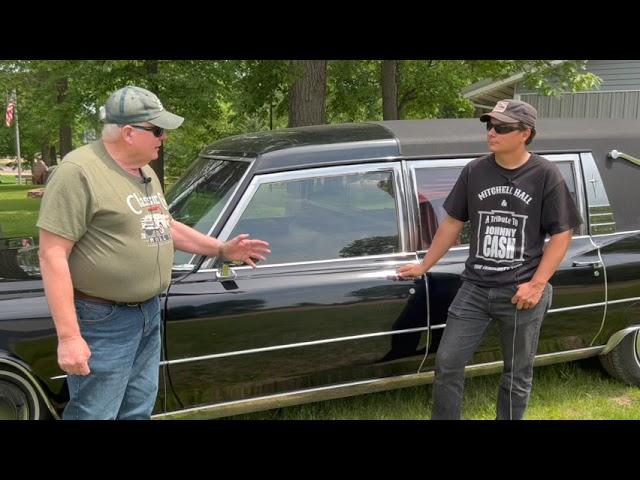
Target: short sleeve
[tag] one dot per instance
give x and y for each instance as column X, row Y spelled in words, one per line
column 67, row 204
column 456, row 204
column 559, row 211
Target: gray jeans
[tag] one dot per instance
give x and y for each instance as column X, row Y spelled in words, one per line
column 470, row 314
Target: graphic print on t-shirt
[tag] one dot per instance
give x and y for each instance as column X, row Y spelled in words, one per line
column 155, row 228
column 501, row 236
column 154, row 224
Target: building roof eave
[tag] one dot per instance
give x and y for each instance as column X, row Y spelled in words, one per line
column 478, row 89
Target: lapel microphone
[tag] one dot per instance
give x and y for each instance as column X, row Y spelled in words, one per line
column 144, row 179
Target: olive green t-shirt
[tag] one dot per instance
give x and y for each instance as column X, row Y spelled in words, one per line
column 121, row 226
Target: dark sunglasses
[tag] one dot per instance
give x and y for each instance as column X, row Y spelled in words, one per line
column 157, row 131
column 502, row 128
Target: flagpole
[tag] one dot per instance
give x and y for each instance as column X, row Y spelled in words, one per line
column 15, row 114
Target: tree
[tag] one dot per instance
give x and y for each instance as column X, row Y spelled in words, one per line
column 258, row 94
column 389, row 73
column 308, row 93
column 353, row 91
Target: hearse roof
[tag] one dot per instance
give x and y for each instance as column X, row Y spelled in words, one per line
column 305, row 147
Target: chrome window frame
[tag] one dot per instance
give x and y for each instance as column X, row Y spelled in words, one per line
column 192, row 261
column 412, row 165
column 319, row 172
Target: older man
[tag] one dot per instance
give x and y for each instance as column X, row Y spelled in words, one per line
column 106, row 251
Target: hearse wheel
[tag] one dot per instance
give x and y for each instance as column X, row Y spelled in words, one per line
column 18, row 399
column 623, row 362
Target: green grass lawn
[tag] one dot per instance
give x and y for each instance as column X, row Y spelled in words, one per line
column 18, row 213
column 569, row 391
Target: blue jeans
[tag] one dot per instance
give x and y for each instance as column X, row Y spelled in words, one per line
column 124, row 363
column 470, row 314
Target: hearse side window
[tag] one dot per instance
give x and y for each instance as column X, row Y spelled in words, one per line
column 434, row 184
column 324, row 217
column 567, row 169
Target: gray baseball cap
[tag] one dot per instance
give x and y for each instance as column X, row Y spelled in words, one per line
column 512, row 111
column 134, row 104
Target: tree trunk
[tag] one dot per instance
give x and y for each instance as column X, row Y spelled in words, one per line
column 52, row 155
column 65, row 122
column 389, row 77
column 308, row 94
column 65, row 139
column 152, row 68
column 270, row 115
column 45, row 153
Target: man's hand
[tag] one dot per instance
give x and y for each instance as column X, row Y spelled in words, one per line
column 410, row 270
column 528, row 295
column 241, row 248
column 73, row 356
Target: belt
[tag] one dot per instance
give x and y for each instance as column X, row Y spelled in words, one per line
column 83, row 296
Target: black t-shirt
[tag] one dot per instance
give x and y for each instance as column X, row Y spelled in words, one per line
column 510, row 213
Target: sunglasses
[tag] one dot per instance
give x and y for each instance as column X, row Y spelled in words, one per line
column 157, row 131
column 502, row 128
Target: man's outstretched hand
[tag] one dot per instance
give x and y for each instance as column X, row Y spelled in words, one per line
column 241, row 248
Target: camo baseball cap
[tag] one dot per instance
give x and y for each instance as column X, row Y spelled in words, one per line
column 512, row 111
column 134, row 104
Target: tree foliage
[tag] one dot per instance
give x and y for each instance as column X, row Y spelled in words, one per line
column 219, row 98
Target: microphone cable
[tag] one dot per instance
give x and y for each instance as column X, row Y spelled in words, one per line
column 166, row 374
column 515, row 315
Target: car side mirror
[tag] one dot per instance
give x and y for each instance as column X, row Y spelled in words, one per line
column 226, row 276
column 225, row 272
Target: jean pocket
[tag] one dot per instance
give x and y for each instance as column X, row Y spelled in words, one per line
column 92, row 312
column 459, row 303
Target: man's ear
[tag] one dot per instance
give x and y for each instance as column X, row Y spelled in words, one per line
column 127, row 134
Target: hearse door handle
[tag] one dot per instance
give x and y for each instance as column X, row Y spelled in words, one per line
column 593, row 263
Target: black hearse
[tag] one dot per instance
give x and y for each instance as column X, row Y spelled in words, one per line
column 325, row 316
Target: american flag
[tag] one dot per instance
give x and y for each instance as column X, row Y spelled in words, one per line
column 8, row 118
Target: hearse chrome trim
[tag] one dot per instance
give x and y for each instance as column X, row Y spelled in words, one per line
column 290, row 345
column 617, row 337
column 331, row 392
column 592, row 305
column 404, row 255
